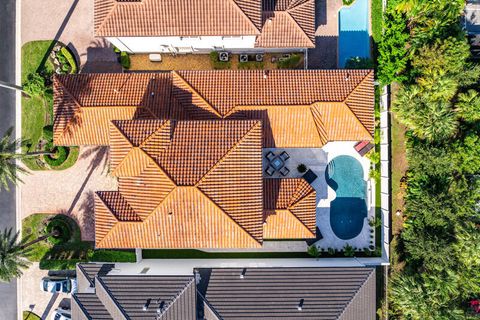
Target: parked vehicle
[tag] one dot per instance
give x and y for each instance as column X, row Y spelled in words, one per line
column 59, row 284
column 61, row 314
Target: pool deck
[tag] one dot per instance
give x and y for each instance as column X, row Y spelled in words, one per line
column 330, row 240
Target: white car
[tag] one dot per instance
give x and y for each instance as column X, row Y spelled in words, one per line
column 61, row 314
column 59, row 284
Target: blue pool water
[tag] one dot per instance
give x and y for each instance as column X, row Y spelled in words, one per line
column 344, row 175
column 353, row 39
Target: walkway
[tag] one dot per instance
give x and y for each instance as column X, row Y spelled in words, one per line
column 70, row 191
column 324, row 55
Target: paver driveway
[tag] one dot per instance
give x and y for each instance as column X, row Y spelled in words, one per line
column 69, row 191
column 69, row 21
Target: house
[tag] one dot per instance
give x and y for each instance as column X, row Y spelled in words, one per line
column 200, row 26
column 187, row 149
column 108, row 292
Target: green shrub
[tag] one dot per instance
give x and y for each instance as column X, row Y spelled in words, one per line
column 70, row 59
column 125, row 59
column 313, row 251
column 48, row 133
column 250, row 65
column 63, row 227
column 28, row 315
column 59, row 155
column 348, row 251
column 35, row 85
column 217, row 64
column 113, row 256
column 347, row 2
column 331, row 251
column 291, row 62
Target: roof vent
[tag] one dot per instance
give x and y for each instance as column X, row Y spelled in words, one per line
column 116, row 91
column 265, row 74
column 347, row 77
column 300, row 305
column 242, row 275
column 152, row 93
column 147, row 303
column 161, row 306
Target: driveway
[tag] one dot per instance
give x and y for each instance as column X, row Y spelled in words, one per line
column 69, row 21
column 70, row 191
column 40, row 302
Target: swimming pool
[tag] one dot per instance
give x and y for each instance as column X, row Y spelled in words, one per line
column 353, row 37
column 344, row 175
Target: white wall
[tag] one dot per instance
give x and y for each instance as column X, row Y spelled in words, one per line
column 170, row 44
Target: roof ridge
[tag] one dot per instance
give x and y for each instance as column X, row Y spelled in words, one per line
column 82, row 307
column 79, row 106
column 301, row 222
column 226, row 214
column 112, row 297
column 319, row 123
column 194, row 91
column 229, row 151
column 187, row 285
column 345, row 104
column 299, row 27
column 165, row 123
column 297, row 190
column 110, row 208
column 356, row 293
column 358, row 84
column 237, row 6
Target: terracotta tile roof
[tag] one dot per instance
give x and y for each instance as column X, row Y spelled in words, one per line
column 177, row 18
column 84, row 108
column 289, row 206
column 287, row 24
column 220, row 159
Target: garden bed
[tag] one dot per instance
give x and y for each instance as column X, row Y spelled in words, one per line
column 37, row 111
column 65, row 252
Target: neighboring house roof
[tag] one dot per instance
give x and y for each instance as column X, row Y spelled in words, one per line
column 143, row 18
column 289, row 209
column 287, row 23
column 305, row 101
column 276, row 293
column 200, row 184
column 278, row 24
column 123, row 296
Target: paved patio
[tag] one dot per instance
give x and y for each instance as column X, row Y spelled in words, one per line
column 69, row 191
column 324, row 55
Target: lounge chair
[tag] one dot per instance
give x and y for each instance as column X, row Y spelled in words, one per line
column 284, row 171
column 284, row 156
column 270, row 170
column 270, row 155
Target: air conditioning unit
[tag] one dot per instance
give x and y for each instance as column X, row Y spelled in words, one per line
column 243, row 57
column 259, row 57
column 223, row 56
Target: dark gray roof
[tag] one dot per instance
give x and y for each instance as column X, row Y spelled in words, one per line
column 175, row 295
column 91, row 270
column 91, row 306
column 275, row 293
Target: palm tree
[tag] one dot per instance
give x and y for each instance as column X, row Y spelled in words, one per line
column 9, row 167
column 13, row 255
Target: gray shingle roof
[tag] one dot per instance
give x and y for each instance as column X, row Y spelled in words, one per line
column 91, row 306
column 276, row 293
column 91, row 270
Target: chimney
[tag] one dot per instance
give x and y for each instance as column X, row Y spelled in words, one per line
column 242, row 275
column 300, row 305
column 147, row 303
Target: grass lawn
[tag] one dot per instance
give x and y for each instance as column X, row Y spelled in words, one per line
column 66, row 255
column 37, row 112
column 28, row 315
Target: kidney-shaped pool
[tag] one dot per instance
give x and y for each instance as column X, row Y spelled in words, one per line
column 344, row 175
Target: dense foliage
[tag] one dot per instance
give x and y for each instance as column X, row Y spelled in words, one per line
column 425, row 51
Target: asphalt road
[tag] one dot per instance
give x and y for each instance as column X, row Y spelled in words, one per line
column 8, row 292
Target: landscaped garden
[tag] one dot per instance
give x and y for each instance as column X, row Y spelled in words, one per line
column 40, row 60
column 436, row 254
column 55, row 242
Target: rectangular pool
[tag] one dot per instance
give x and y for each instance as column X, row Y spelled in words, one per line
column 353, row 38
